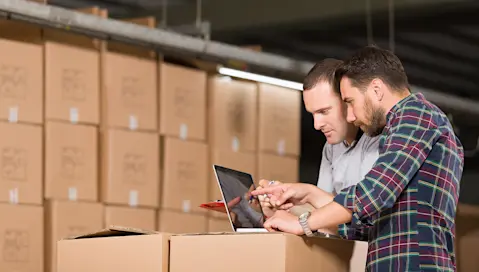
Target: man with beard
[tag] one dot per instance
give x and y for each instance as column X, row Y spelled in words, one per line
column 409, row 197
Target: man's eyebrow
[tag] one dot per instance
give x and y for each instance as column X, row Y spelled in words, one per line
column 323, row 109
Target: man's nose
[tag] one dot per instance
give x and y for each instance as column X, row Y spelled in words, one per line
column 318, row 122
column 350, row 117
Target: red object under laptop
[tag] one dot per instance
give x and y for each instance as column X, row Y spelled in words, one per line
column 217, row 206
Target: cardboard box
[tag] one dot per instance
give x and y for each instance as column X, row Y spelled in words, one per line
column 178, row 222
column 280, row 168
column 290, row 253
column 185, row 175
column 21, row 163
column 467, row 237
column 130, row 168
column 72, row 83
column 114, row 250
column 232, row 106
column 21, row 82
column 182, row 102
column 22, row 241
column 129, row 92
column 279, row 120
column 71, row 166
column 21, row 31
column 132, row 217
column 219, row 225
column 68, row 218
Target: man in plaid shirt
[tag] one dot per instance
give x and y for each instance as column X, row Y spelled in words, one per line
column 408, row 199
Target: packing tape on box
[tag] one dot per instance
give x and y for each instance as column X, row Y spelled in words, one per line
column 183, row 131
column 133, row 122
column 133, row 198
column 235, row 144
column 13, row 114
column 72, row 194
column 13, row 196
column 186, row 206
column 74, row 115
column 281, row 147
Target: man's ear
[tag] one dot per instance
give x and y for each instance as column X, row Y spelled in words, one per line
column 377, row 86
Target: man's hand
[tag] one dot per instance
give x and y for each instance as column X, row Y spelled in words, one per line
column 264, row 200
column 285, row 222
column 285, row 196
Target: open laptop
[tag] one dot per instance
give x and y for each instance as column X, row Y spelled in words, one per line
column 244, row 211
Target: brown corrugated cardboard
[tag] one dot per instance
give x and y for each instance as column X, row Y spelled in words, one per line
column 178, row 222
column 185, row 175
column 21, row 163
column 232, row 106
column 182, row 102
column 21, row 82
column 130, row 168
column 281, row 168
column 21, row 31
column 114, row 251
column 467, row 237
column 279, row 120
column 219, row 225
column 283, row 252
column 71, row 161
column 132, row 217
column 129, row 92
column 22, row 238
column 68, row 218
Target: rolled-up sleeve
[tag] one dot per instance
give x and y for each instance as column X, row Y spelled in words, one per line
column 325, row 177
column 411, row 134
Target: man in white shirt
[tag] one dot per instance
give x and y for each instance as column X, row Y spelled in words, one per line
column 348, row 154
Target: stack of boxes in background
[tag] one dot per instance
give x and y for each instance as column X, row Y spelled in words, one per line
column 93, row 135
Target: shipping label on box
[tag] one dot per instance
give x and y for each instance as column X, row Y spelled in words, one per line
column 130, row 168
column 129, row 92
column 279, row 120
column 21, row 82
column 232, row 114
column 71, row 167
column 66, row 219
column 185, row 175
column 21, row 238
column 21, row 163
column 72, row 80
column 182, row 102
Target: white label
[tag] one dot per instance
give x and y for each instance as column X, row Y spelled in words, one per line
column 133, row 122
column 133, row 198
column 74, row 116
column 13, row 114
column 281, row 147
column 186, row 206
column 183, row 131
column 72, row 193
column 235, row 144
column 13, row 196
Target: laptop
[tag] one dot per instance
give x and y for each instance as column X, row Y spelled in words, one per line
column 243, row 210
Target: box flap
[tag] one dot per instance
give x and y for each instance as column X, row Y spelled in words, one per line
column 113, row 231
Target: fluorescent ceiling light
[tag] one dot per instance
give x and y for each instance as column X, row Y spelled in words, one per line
column 260, row 78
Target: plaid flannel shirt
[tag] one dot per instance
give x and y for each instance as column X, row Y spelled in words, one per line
column 409, row 197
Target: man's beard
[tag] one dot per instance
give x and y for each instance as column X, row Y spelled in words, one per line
column 376, row 116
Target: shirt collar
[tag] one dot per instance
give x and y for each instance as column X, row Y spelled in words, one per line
column 400, row 104
column 359, row 134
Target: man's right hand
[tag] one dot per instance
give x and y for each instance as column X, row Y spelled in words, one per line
column 283, row 195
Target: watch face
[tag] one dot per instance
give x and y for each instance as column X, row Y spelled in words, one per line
column 304, row 216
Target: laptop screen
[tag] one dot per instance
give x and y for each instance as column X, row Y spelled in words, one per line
column 244, row 210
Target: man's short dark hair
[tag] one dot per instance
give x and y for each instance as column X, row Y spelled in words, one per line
column 321, row 71
column 373, row 62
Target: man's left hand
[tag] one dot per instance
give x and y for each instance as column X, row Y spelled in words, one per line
column 285, row 222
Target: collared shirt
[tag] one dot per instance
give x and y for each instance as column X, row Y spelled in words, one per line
column 344, row 165
column 410, row 195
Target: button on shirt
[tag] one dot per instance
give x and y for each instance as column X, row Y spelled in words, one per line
column 409, row 197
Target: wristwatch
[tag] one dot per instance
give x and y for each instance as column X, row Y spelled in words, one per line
column 303, row 221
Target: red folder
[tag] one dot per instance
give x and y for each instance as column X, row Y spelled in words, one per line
column 217, row 206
